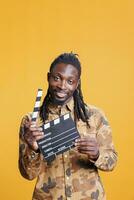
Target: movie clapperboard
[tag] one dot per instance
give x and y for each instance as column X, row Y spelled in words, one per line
column 59, row 134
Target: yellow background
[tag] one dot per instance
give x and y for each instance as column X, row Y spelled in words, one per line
column 32, row 34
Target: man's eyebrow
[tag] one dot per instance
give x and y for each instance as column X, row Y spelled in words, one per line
column 54, row 73
column 58, row 73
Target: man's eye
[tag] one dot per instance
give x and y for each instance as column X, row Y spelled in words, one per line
column 70, row 82
column 56, row 78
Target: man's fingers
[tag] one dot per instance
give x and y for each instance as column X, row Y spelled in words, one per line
column 39, row 129
column 37, row 133
column 91, row 152
column 86, row 143
column 34, row 137
column 86, row 148
column 92, row 155
column 39, row 137
column 33, row 124
column 33, row 134
column 87, row 152
column 86, row 139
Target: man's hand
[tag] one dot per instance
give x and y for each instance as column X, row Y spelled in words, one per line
column 88, row 146
column 33, row 133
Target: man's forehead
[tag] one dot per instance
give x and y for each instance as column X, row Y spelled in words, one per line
column 65, row 68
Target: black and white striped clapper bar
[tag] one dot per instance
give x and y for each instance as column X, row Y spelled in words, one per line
column 59, row 136
column 37, row 105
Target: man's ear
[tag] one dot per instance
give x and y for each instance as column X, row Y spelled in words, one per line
column 48, row 76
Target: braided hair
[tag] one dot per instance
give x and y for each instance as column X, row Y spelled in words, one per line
column 80, row 110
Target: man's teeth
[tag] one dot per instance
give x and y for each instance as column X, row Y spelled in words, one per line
column 60, row 94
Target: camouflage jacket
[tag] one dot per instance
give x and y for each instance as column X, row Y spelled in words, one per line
column 71, row 176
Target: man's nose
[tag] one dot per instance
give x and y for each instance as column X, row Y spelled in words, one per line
column 62, row 85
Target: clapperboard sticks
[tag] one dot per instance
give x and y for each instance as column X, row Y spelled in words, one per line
column 37, row 105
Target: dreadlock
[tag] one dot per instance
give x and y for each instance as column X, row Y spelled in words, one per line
column 80, row 110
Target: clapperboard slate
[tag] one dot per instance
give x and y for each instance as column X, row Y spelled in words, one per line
column 59, row 135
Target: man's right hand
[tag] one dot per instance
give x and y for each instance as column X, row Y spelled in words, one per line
column 33, row 133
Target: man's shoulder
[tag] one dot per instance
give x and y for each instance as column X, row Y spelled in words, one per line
column 97, row 113
column 92, row 109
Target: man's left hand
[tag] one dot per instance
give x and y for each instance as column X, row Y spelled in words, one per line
column 89, row 146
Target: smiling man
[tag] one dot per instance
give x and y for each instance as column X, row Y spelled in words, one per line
column 73, row 174
column 63, row 81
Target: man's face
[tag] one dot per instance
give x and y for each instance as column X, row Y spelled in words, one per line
column 63, row 81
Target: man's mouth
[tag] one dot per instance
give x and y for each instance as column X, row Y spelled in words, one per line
column 60, row 94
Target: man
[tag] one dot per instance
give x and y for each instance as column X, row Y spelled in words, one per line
column 73, row 174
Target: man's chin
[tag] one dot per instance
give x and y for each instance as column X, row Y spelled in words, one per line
column 59, row 101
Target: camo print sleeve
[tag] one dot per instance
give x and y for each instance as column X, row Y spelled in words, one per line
column 29, row 160
column 108, row 156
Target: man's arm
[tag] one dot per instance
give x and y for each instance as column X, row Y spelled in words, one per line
column 107, row 155
column 99, row 149
column 29, row 159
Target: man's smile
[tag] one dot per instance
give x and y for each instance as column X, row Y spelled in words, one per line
column 60, row 94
